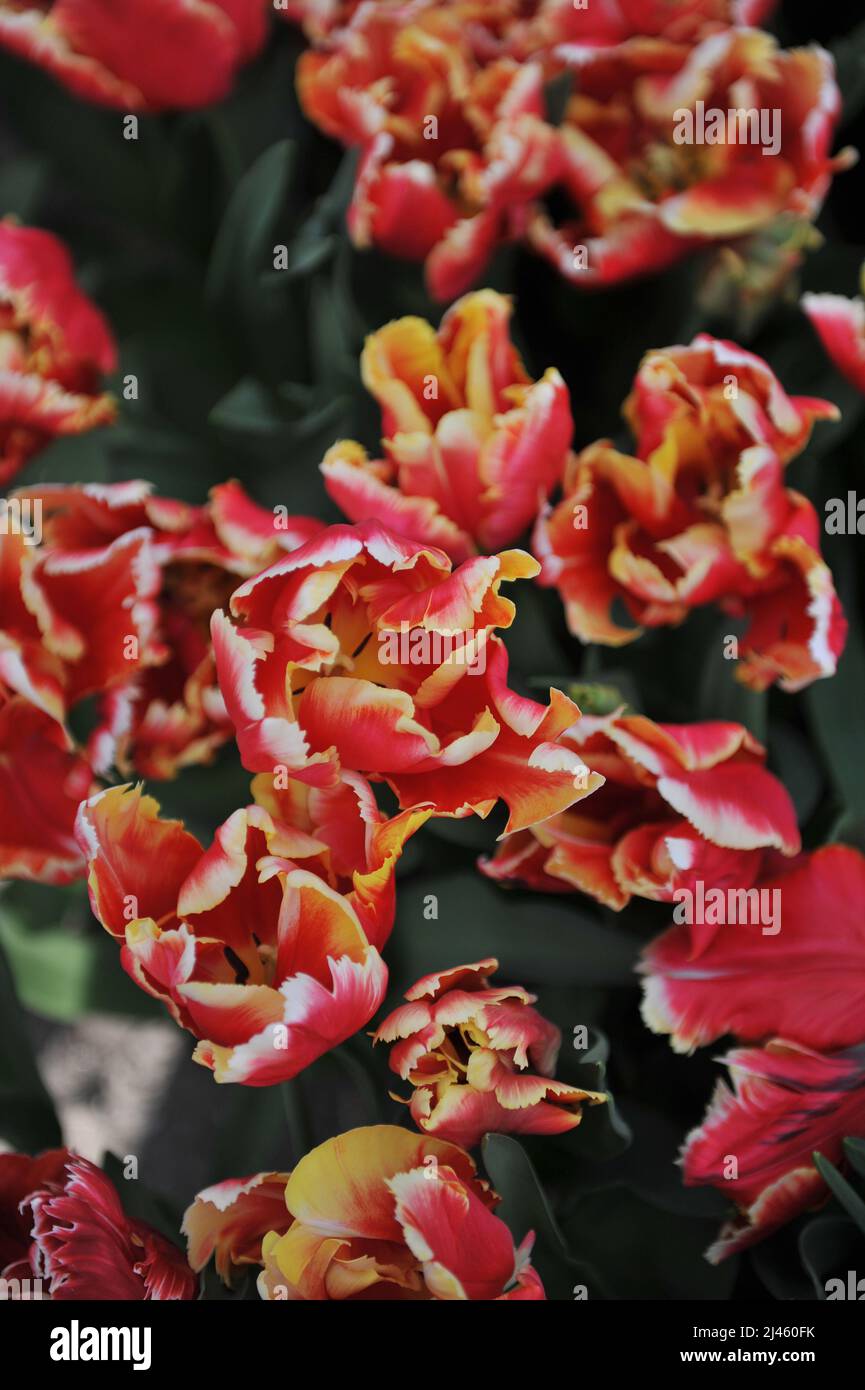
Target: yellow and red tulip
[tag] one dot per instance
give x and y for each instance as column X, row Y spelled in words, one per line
column 840, row 326
column 55, row 347
column 227, row 1222
column 266, row 945
column 336, row 659
column 473, row 445
column 700, row 514
column 642, row 199
column 480, row 1058
column 374, row 1214
column 681, row 803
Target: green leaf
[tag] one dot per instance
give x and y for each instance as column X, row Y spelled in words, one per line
column 300, row 1128
column 253, row 1135
column 21, row 187
column 557, row 94
column 602, row 1132
column 595, row 698
column 249, row 409
column 840, row 1187
column 304, row 257
column 27, row 1117
column 848, row 829
column 246, row 231
column 791, row 757
column 777, row 1264
column 649, row 1168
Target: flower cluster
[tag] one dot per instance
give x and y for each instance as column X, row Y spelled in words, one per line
column 113, row 605
column 460, row 150
column 365, row 664
column 768, row 946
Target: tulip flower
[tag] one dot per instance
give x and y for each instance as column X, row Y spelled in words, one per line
column 266, row 945
column 63, row 1224
column 683, row 805
column 473, row 445
column 840, row 326
column 757, row 1141
column 161, row 709
column 801, row 982
column 228, row 1221
column 377, row 1213
column 137, row 55
column 362, row 649
column 55, row 346
column 480, row 1059
column 699, row 515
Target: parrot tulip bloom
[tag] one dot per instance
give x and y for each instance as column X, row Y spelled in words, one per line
column 580, row 35
column 42, row 780
column 384, row 1214
column 803, row 983
column 787, row 1102
column 498, row 26
column 465, row 1046
column 682, row 805
column 55, row 347
column 473, row 445
column 318, row 17
column 229, row 1220
column 266, row 945
column 149, row 571
column 700, row 515
column 137, row 55
column 453, row 147
column 840, row 326
column 63, row 1223
column 27, row 667
column 648, row 184
column 364, row 650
